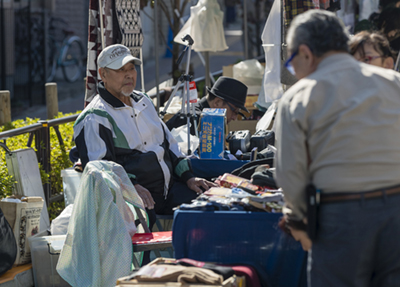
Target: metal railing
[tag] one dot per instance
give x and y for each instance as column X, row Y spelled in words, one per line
column 40, row 132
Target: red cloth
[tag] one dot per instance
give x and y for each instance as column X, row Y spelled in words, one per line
column 155, row 237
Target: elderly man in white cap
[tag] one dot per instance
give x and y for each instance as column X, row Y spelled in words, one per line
column 122, row 125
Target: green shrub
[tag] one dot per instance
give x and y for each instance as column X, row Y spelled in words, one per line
column 59, row 159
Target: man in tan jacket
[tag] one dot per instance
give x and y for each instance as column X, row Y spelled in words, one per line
column 338, row 128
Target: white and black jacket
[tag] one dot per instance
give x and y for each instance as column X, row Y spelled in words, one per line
column 135, row 138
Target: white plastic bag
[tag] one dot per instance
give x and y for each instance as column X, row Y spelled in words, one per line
column 59, row 225
column 249, row 72
column 205, row 19
column 181, row 136
column 267, row 120
column 71, row 179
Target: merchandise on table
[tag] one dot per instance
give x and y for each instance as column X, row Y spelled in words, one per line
column 239, row 140
column 237, row 199
column 229, row 180
column 183, row 272
column 261, row 139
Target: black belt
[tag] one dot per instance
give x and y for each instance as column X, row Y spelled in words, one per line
column 334, row 197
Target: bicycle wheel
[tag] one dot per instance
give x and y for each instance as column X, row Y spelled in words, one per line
column 72, row 59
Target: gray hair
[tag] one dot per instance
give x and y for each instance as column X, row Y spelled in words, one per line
column 320, row 30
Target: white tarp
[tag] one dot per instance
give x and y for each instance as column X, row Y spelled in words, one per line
column 271, row 37
column 205, row 26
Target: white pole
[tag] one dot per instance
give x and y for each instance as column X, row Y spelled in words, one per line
column 156, row 53
column 142, row 71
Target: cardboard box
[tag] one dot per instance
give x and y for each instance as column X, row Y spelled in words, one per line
column 243, row 125
column 167, row 116
column 227, row 71
column 212, row 133
column 250, row 100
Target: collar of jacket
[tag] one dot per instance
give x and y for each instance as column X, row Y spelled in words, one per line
column 113, row 101
column 202, row 104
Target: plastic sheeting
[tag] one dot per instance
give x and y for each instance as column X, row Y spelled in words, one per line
column 98, row 245
column 205, row 26
column 271, row 37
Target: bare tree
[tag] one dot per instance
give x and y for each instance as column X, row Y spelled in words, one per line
column 174, row 24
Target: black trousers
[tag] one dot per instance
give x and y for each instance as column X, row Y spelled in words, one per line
column 179, row 193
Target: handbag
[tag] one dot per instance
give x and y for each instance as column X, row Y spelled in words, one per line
column 8, row 245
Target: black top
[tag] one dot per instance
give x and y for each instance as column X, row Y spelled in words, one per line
column 176, row 121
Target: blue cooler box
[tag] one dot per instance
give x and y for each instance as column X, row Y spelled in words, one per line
column 212, row 133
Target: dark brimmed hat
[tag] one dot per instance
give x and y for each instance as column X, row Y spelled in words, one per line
column 230, row 90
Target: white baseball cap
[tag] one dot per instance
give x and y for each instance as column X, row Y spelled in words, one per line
column 115, row 57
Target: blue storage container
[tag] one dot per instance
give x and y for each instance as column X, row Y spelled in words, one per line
column 235, row 237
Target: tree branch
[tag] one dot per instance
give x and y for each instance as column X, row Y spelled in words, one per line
column 164, row 8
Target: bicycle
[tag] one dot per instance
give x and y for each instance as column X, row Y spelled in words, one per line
column 65, row 51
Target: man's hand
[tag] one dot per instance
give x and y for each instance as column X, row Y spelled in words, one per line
column 296, row 229
column 196, row 183
column 148, row 200
column 300, row 235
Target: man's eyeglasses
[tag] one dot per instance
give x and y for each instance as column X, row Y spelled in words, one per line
column 288, row 64
column 369, row 59
column 233, row 109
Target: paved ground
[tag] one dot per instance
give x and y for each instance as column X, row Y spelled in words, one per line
column 71, row 96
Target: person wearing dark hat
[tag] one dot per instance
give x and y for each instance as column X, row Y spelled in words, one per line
column 227, row 93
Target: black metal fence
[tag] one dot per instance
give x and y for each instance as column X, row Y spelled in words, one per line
column 22, row 53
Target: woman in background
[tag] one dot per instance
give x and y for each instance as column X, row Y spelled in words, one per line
column 372, row 48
